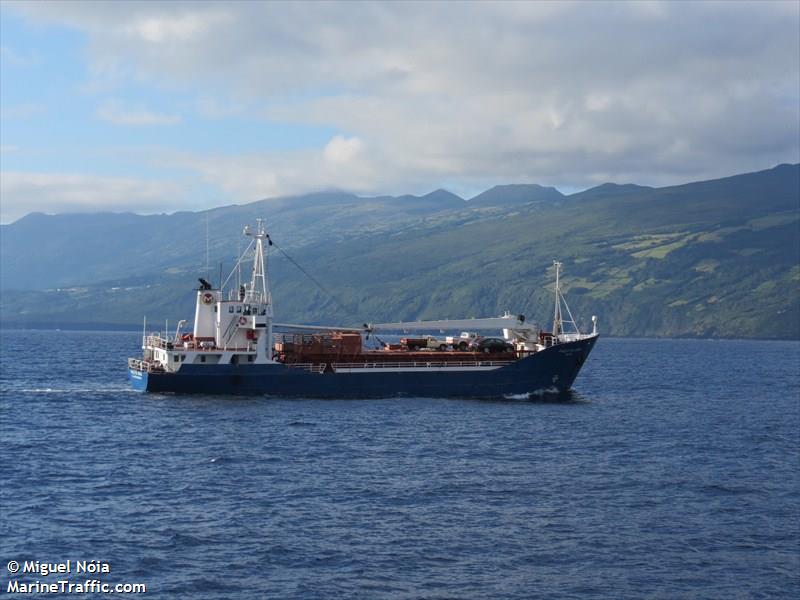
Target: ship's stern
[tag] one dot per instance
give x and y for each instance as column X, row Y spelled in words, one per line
column 138, row 376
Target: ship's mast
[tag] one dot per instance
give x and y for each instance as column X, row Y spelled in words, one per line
column 557, row 323
column 558, row 316
column 238, row 264
column 258, row 290
column 208, row 265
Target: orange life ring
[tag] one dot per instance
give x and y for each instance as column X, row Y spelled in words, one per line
column 242, row 320
column 208, row 298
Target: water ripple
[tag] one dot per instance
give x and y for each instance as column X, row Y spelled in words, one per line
column 670, row 472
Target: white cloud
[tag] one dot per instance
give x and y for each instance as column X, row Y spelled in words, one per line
column 167, row 29
column 648, row 9
column 248, row 177
column 22, row 193
column 118, row 114
column 569, row 93
column 212, row 108
column 341, row 150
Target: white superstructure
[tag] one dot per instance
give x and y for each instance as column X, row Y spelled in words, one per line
column 236, row 329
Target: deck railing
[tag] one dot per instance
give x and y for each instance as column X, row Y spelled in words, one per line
column 320, row 367
column 156, row 341
column 144, row 366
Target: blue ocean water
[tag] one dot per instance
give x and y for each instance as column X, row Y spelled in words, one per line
column 670, row 472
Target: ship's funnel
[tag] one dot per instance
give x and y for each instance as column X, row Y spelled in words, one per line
column 204, row 314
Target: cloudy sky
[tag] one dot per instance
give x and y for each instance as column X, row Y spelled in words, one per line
column 163, row 106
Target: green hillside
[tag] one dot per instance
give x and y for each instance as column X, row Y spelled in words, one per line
column 713, row 259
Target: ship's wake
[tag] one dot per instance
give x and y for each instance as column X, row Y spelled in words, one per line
column 551, row 394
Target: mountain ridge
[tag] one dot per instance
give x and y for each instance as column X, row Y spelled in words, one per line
column 327, row 196
column 516, row 193
column 702, row 259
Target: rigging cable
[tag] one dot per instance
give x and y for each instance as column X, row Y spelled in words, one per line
column 348, row 310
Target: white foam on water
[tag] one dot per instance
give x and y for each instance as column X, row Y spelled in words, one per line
column 551, row 391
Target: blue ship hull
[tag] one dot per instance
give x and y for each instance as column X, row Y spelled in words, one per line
column 553, row 369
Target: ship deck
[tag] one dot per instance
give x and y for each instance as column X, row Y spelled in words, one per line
column 366, row 360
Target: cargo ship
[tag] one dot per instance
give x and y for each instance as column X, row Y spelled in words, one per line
column 236, row 347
